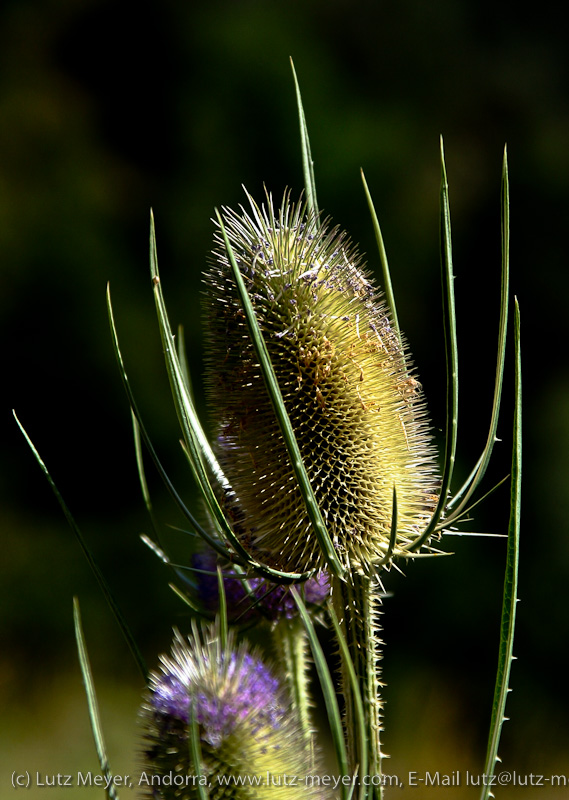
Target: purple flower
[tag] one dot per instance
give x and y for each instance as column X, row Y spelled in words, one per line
column 246, row 723
column 247, row 599
column 225, row 689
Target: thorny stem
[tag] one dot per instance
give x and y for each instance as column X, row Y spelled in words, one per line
column 356, row 603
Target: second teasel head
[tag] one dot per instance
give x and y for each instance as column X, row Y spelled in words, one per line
column 355, row 405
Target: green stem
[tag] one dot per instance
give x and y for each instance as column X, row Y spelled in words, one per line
column 356, row 603
column 291, row 645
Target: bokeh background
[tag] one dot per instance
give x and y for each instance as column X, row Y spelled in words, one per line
column 109, row 108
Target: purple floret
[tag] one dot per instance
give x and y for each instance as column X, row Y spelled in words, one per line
column 241, row 693
column 251, row 696
column 170, row 698
column 269, row 599
column 317, row 589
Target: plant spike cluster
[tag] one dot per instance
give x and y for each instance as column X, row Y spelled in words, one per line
column 356, row 408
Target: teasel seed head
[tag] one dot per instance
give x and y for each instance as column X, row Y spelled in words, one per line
column 356, row 407
column 246, row 724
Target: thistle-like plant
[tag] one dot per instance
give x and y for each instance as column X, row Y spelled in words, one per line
column 218, row 719
column 322, row 454
column 354, row 405
column 322, row 462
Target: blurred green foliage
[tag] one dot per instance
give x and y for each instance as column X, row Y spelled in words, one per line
column 107, row 109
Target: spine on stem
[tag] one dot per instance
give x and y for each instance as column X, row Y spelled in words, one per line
column 356, row 603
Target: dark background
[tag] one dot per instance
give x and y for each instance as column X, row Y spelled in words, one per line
column 107, row 109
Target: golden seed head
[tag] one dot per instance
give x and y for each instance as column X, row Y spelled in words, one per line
column 356, row 408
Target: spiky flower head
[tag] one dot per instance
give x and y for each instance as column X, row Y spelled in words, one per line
column 248, row 733
column 251, row 598
column 355, row 405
